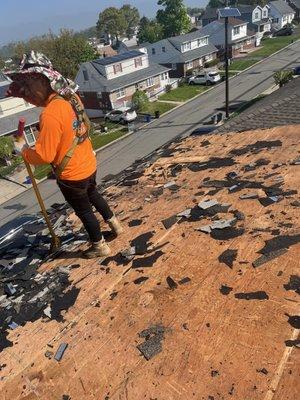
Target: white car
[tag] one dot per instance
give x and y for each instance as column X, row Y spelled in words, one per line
column 122, row 115
column 206, row 78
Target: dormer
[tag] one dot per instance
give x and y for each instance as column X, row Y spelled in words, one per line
column 122, row 64
column 257, row 14
column 194, row 44
column 265, row 12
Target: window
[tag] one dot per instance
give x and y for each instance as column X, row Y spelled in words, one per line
column 29, row 136
column 163, row 49
column 99, row 95
column 186, row 46
column 150, row 82
column 236, row 30
column 164, row 76
column 117, row 68
column 189, row 65
column 153, row 50
column 174, row 67
column 202, row 42
column 120, row 93
column 138, row 62
column 256, row 15
column 265, row 13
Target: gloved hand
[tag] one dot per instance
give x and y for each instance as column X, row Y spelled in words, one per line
column 20, row 145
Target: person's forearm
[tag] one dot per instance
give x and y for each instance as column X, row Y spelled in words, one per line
column 33, row 157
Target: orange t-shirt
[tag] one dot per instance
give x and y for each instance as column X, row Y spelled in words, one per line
column 57, row 131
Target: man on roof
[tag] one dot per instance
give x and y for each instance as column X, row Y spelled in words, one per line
column 63, row 142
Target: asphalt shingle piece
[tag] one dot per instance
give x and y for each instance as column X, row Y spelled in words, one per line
column 259, row 295
column 153, row 341
column 268, row 257
column 228, row 257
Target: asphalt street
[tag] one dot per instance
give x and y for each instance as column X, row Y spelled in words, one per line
column 183, row 120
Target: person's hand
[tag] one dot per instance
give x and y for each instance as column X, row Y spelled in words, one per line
column 20, row 145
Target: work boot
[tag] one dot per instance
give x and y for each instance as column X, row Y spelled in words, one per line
column 97, row 249
column 115, row 225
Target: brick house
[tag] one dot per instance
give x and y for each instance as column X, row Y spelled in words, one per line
column 182, row 54
column 109, row 83
column 240, row 37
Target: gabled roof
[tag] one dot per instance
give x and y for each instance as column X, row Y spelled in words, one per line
column 234, row 21
column 296, row 3
column 9, row 124
column 177, row 41
column 282, row 107
column 97, row 82
column 118, row 58
column 282, row 7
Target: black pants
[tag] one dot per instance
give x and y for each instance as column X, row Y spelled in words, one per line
column 82, row 195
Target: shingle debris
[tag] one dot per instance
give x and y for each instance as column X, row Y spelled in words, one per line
column 268, row 257
column 293, row 284
column 60, row 351
column 171, row 283
column 259, row 295
column 228, row 257
column 152, row 345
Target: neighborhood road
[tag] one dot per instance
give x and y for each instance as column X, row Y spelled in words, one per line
column 120, row 155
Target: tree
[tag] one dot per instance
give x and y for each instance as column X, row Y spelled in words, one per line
column 173, row 18
column 2, row 63
column 112, row 22
column 132, row 18
column 66, row 50
column 149, row 31
column 194, row 11
column 139, row 100
column 282, row 77
column 6, row 147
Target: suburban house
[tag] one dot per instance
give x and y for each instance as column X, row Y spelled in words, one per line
column 12, row 109
column 182, row 54
column 109, row 83
column 295, row 5
column 258, row 18
column 281, row 13
column 240, row 38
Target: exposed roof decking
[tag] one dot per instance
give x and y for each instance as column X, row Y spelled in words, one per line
column 206, row 331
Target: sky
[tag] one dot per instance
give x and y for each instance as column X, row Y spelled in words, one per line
column 21, row 19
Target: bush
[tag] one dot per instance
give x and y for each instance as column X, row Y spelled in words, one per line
column 168, row 88
column 6, row 146
column 282, row 77
column 139, row 100
column 211, row 63
column 181, row 82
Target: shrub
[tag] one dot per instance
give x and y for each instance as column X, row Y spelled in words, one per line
column 181, row 82
column 139, row 100
column 282, row 77
column 6, row 146
column 168, row 88
column 211, row 63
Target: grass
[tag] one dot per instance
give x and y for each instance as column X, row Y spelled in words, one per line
column 183, row 93
column 271, row 45
column 151, row 107
column 243, row 63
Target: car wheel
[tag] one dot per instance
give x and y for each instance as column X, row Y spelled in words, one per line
column 208, row 83
column 192, row 83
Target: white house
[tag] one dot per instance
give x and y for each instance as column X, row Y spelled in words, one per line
column 281, row 13
column 258, row 19
column 109, row 83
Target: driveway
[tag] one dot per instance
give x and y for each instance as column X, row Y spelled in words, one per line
column 180, row 121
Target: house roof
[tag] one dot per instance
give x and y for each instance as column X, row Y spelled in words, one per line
column 177, row 41
column 219, row 305
column 9, row 124
column 233, row 21
column 282, row 7
column 118, row 58
column 98, row 82
column 209, row 13
column 215, row 26
column 296, row 3
column 281, row 107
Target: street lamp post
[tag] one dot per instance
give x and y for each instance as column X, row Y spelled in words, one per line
column 226, row 13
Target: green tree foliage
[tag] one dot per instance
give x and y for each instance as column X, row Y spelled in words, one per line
column 173, row 18
column 282, row 77
column 139, row 100
column 6, row 146
column 2, row 63
column 132, row 18
column 66, row 50
column 112, row 22
column 149, row 31
column 194, row 11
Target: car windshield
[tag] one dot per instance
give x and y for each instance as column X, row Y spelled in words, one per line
column 213, row 74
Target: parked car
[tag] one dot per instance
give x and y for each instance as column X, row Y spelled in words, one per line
column 122, row 115
column 287, row 30
column 296, row 70
column 206, row 78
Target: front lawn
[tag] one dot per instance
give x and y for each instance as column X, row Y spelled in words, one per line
column 241, row 64
column 153, row 106
column 271, row 45
column 183, row 93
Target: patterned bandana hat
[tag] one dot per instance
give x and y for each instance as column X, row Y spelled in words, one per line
column 37, row 63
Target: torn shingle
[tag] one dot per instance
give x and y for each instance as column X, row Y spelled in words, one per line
column 153, row 341
column 228, row 257
column 225, row 290
column 140, row 280
column 185, row 280
column 268, row 257
column 171, row 283
column 293, row 284
column 259, row 295
column 169, row 222
column 60, row 351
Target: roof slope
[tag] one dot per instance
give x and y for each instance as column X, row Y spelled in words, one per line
column 10, row 123
column 190, row 302
column 281, row 107
column 98, row 82
column 282, row 7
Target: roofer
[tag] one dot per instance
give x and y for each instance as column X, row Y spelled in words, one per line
column 64, row 143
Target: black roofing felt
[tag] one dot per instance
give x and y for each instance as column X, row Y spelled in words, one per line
column 118, row 57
